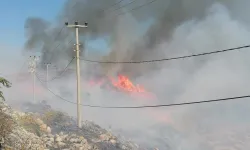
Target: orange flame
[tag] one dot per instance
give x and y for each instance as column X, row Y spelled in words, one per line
column 123, row 83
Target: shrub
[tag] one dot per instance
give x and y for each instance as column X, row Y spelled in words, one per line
column 28, row 122
column 54, row 117
column 7, row 124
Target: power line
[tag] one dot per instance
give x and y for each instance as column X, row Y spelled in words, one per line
column 151, row 106
column 55, row 40
column 179, row 104
column 133, row 9
column 103, row 10
column 63, row 27
column 52, row 91
column 59, row 32
column 167, row 59
column 138, row 7
column 64, row 70
column 126, row 5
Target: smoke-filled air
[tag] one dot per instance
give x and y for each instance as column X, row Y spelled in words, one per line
column 142, row 31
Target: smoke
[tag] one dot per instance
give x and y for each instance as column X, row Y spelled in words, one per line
column 43, row 36
column 177, row 28
column 174, row 14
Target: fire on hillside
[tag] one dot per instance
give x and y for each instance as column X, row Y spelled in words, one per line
column 123, row 84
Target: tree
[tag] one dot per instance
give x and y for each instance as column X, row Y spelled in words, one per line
column 5, row 83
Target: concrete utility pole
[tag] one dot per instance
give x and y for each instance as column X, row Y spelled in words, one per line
column 77, row 26
column 32, row 69
column 47, row 73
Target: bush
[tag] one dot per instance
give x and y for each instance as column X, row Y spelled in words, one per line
column 28, row 122
column 7, row 124
column 54, row 117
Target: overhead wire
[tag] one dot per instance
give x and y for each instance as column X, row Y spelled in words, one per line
column 133, row 9
column 57, row 36
column 101, row 10
column 42, row 83
column 136, row 8
column 146, row 61
column 123, row 6
column 148, row 106
column 61, row 30
column 104, row 10
column 112, row 5
column 168, row 59
column 64, row 70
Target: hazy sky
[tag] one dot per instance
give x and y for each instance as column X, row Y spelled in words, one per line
column 13, row 15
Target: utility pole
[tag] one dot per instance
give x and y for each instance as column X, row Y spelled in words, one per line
column 77, row 26
column 47, row 73
column 32, row 69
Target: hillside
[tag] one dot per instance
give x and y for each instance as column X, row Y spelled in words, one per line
column 46, row 129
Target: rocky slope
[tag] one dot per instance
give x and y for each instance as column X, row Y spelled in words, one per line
column 47, row 129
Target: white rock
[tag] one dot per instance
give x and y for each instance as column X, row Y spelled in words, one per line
column 61, row 133
column 74, row 140
column 50, row 135
column 58, row 139
column 48, row 130
column 61, row 144
column 113, row 141
column 39, row 121
column 50, row 139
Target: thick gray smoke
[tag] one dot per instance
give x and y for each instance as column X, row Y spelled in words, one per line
column 44, row 37
column 179, row 27
column 166, row 19
column 104, row 21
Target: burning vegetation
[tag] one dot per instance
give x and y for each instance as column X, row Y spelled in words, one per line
column 123, row 84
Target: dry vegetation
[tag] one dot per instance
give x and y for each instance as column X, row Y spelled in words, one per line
column 8, row 128
column 55, row 117
column 7, row 124
column 28, row 122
